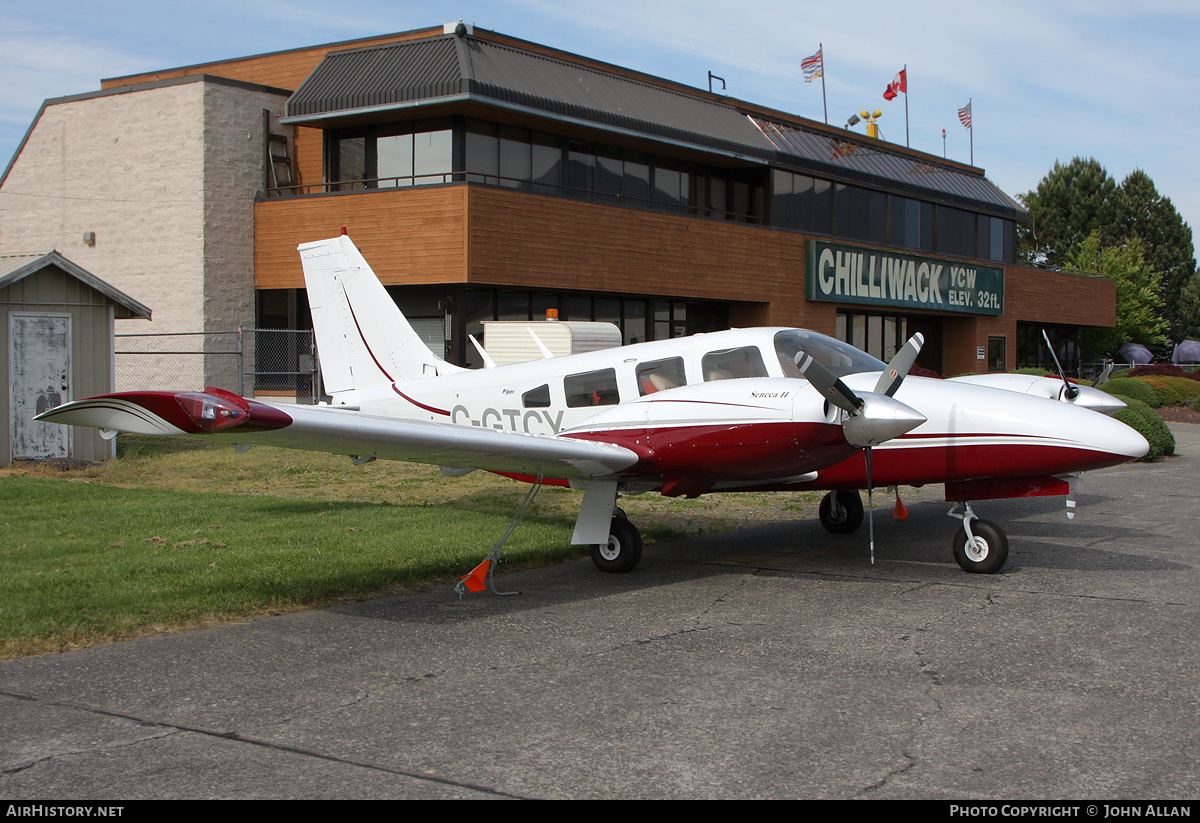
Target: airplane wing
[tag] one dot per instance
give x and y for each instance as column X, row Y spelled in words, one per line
column 220, row 415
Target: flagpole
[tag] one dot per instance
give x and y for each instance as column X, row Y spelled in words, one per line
column 821, row 51
column 971, row 109
column 906, row 143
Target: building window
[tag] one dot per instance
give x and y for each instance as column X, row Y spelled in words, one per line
column 383, row 157
column 997, row 353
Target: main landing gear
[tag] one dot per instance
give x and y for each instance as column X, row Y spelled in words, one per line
column 624, row 547
column 980, row 546
column 841, row 512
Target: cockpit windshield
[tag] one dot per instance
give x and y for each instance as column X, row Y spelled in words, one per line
column 840, row 358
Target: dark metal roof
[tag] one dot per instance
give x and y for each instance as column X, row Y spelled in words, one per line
column 440, row 69
column 824, row 150
column 583, row 93
column 382, row 77
column 14, row 267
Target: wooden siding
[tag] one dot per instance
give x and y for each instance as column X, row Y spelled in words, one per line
column 541, row 242
column 308, row 156
column 409, row 236
column 504, row 238
column 282, row 69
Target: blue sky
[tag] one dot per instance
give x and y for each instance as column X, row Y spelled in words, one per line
column 1049, row 79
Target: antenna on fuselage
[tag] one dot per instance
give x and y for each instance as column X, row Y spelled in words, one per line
column 488, row 362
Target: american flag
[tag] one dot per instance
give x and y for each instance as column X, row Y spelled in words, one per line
column 964, row 116
column 812, row 67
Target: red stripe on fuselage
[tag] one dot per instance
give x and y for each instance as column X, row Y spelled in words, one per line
column 442, row 412
column 740, row 452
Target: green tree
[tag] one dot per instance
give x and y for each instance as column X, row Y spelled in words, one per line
column 1139, row 305
column 1070, row 203
column 1139, row 209
column 1187, row 308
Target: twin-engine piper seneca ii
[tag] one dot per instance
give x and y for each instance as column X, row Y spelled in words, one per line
column 765, row 409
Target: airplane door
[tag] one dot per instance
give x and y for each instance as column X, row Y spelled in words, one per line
column 39, row 372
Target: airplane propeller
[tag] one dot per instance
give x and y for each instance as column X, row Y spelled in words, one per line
column 874, row 417
column 898, row 369
column 1072, row 391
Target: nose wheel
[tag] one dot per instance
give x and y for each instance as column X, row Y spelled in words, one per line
column 980, row 546
column 622, row 551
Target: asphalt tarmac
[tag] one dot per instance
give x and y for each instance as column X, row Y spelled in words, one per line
column 772, row 662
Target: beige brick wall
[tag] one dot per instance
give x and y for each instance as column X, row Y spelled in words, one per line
column 166, row 179
column 129, row 168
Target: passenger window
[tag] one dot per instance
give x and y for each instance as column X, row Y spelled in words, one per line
column 595, row 388
column 538, row 398
column 728, row 364
column 658, row 375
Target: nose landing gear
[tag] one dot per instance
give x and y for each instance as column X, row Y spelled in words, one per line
column 980, row 546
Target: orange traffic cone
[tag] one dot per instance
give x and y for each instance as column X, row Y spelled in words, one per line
column 476, row 581
column 901, row 511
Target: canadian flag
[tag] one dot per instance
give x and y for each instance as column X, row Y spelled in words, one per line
column 899, row 84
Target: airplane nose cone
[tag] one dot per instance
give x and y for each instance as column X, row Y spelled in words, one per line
column 1123, row 440
column 881, row 419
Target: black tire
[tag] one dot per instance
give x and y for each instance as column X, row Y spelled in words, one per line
column 989, row 552
column 847, row 517
column 622, row 551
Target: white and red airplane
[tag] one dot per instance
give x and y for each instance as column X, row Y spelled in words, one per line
column 740, row 410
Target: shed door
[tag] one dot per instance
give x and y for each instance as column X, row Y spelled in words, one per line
column 39, row 371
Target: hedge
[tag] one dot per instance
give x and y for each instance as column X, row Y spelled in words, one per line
column 1148, row 424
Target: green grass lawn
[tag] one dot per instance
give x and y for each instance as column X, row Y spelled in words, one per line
column 178, row 533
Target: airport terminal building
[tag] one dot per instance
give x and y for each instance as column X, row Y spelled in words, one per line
column 490, row 178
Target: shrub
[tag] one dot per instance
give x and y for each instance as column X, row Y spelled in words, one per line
column 1166, row 395
column 1160, row 370
column 1037, row 371
column 1149, row 425
column 1183, row 386
column 1132, row 388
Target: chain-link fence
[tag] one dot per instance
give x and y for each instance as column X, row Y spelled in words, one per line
column 282, row 365
column 177, row 362
column 273, row 364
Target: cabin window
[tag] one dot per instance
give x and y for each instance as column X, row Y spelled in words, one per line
column 659, row 375
column 538, row 398
column 595, row 388
column 728, row 364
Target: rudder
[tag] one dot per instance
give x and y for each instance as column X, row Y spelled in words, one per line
column 363, row 339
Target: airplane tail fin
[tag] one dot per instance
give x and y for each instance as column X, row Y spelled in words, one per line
column 363, row 339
